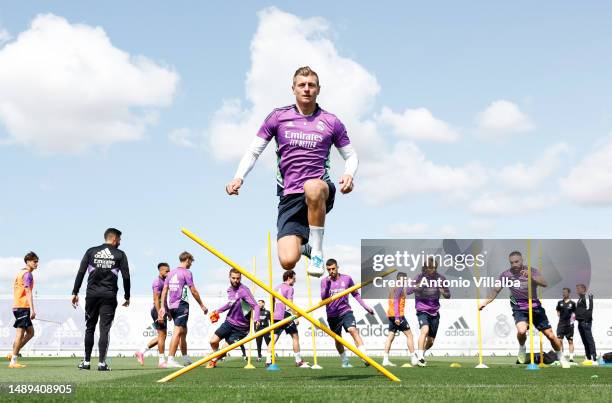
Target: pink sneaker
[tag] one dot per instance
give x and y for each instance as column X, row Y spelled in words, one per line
column 139, row 357
column 162, row 365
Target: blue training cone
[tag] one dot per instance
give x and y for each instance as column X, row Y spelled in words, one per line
column 273, row 367
column 533, row 367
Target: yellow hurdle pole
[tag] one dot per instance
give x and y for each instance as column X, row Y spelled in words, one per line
column 262, row 332
column 530, row 300
column 539, row 294
column 312, row 328
column 478, row 323
column 249, row 364
column 272, row 338
column 292, row 306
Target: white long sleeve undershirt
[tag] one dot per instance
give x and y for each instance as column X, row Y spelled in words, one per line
column 258, row 145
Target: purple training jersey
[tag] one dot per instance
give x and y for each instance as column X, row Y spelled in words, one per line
column 427, row 296
column 157, row 287
column 286, row 291
column 519, row 296
column 303, row 145
column 178, row 281
column 340, row 306
column 237, row 315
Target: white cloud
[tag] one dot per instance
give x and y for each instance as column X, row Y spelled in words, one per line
column 347, row 89
column 506, row 203
column 182, row 137
column 405, row 171
column 5, row 36
column 590, row 181
column 65, row 88
column 417, row 124
column 503, row 116
column 53, row 275
column 521, row 176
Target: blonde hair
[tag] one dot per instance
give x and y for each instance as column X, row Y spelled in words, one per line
column 305, row 71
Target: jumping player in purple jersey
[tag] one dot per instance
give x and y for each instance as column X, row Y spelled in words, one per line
column 427, row 305
column 339, row 312
column 519, row 301
column 240, row 306
column 304, row 134
column 281, row 312
column 159, row 325
column 175, row 297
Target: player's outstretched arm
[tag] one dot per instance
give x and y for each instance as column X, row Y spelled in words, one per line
column 196, row 296
column 258, row 145
column 490, row 298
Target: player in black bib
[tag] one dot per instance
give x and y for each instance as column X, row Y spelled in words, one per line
column 565, row 329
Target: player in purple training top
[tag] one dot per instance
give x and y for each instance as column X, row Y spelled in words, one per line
column 240, row 306
column 175, row 297
column 427, row 294
column 339, row 312
column 160, row 325
column 519, row 301
column 304, row 134
column 281, row 312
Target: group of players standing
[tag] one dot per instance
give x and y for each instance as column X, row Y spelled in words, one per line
column 304, row 134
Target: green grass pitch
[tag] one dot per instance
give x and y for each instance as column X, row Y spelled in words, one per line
column 229, row 382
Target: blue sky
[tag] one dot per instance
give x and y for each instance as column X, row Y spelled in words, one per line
column 470, row 121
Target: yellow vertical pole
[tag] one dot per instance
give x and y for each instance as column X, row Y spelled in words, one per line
column 312, row 327
column 481, row 364
column 271, row 299
column 249, row 364
column 539, row 294
column 530, row 302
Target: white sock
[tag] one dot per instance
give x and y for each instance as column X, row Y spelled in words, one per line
column 344, row 357
column 101, row 364
column 14, row 359
column 522, row 349
column 316, row 240
column 84, row 362
column 298, row 357
column 186, row 358
column 144, row 349
column 560, row 356
column 419, row 354
column 571, row 356
column 385, row 356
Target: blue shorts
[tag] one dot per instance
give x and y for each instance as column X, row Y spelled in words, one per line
column 402, row 327
column 426, row 319
column 22, row 318
column 540, row 320
column 231, row 333
column 180, row 315
column 293, row 214
column 158, row 325
column 289, row 328
column 346, row 321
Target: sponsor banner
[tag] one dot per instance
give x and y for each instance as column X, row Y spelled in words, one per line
column 466, row 267
column 63, row 330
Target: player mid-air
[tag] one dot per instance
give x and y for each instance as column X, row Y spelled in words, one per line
column 304, row 134
column 519, row 301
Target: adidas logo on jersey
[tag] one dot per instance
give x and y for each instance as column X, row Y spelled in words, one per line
column 459, row 328
column 104, row 254
column 320, row 126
